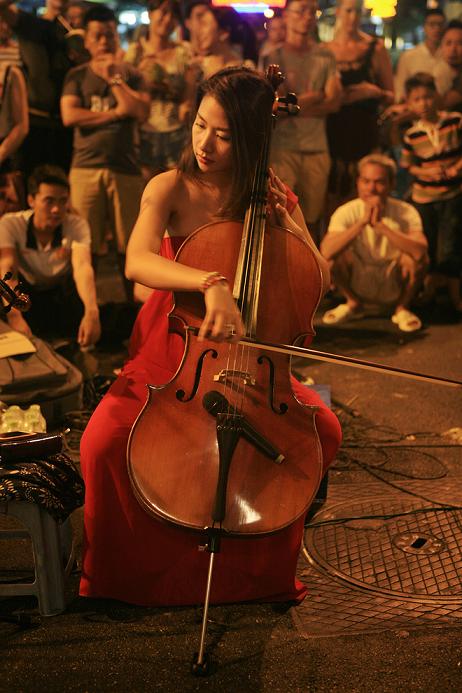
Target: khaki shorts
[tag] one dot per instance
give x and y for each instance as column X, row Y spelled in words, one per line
column 307, row 175
column 378, row 283
column 107, row 200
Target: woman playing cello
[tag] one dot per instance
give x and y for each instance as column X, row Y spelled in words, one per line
column 128, row 554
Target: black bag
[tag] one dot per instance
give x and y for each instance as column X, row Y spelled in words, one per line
column 43, row 377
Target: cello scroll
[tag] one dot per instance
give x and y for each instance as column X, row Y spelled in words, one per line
column 15, row 298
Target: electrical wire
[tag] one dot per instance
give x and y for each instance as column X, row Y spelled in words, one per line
column 370, row 438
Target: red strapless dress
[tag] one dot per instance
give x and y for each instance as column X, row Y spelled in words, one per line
column 131, row 556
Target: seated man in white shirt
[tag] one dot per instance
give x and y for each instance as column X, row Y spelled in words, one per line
column 377, row 249
column 48, row 250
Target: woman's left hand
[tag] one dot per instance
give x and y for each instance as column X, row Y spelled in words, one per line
column 277, row 195
column 287, row 222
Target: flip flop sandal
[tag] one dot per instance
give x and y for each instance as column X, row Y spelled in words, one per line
column 406, row 321
column 341, row 313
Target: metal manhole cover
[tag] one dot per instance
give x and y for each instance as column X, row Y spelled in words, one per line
column 413, row 556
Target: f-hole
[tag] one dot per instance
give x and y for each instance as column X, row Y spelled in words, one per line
column 180, row 394
column 283, row 407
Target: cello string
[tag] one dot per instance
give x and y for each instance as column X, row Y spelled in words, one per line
column 253, row 211
column 250, row 230
column 225, row 388
column 254, row 226
column 258, row 229
column 248, row 278
column 260, row 173
column 261, row 205
column 234, row 407
column 244, row 288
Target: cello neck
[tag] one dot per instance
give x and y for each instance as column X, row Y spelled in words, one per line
column 247, row 279
column 248, row 273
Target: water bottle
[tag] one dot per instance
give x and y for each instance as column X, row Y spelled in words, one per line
column 12, row 420
column 34, row 421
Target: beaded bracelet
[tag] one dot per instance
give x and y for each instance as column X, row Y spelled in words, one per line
column 211, row 279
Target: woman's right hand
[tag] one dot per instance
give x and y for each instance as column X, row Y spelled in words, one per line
column 222, row 322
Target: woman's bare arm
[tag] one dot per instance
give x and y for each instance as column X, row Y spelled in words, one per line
column 146, row 266
column 143, row 263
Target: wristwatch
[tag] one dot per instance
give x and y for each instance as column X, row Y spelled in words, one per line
column 116, row 81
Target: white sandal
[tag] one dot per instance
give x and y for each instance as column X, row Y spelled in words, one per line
column 341, row 313
column 406, row 321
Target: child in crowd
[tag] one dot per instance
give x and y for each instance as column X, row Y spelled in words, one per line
column 432, row 152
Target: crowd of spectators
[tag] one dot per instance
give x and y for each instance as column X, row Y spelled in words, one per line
column 104, row 120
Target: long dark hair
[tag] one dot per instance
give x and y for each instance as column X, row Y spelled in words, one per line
column 247, row 98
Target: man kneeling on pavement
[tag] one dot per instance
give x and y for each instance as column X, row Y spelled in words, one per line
column 377, row 249
column 47, row 249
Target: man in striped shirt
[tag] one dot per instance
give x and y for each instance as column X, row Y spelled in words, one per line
column 432, row 152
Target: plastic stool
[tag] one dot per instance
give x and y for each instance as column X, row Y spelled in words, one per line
column 50, row 542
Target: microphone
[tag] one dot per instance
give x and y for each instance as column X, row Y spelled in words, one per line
column 215, row 403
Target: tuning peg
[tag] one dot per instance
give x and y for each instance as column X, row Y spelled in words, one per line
column 22, row 302
column 289, row 104
column 15, row 298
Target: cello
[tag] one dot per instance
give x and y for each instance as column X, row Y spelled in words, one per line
column 248, row 462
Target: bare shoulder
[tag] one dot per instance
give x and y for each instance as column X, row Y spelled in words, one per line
column 169, row 202
column 164, row 188
column 159, row 205
column 164, row 184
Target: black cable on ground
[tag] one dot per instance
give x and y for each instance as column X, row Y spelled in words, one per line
column 361, row 434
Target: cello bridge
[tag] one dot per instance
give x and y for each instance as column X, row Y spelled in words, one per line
column 229, row 377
